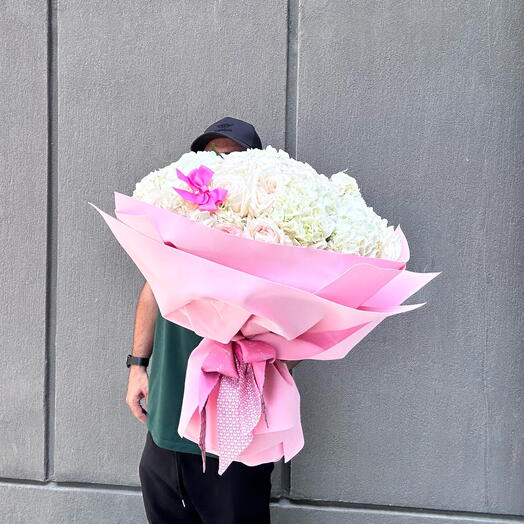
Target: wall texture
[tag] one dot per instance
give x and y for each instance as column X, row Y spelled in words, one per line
column 421, row 99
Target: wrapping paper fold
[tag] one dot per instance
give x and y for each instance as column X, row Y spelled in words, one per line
column 255, row 304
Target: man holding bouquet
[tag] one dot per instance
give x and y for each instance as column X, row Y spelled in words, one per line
column 174, row 487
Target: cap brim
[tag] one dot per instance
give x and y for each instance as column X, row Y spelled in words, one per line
column 200, row 143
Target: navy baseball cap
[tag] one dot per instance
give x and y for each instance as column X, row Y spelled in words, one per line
column 229, row 127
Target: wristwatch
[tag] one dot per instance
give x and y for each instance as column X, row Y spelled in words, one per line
column 137, row 361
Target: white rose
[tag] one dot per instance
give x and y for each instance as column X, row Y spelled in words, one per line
column 263, row 188
column 229, row 228
column 265, row 230
column 235, row 185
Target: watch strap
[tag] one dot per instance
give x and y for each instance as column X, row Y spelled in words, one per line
column 137, row 361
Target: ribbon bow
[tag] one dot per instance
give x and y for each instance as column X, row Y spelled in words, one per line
column 198, row 179
column 239, row 370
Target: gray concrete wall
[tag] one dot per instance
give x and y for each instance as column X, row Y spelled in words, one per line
column 421, row 99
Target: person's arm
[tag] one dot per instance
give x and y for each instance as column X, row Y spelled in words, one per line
column 144, row 331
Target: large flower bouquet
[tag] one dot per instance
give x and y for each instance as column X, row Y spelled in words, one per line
column 267, row 260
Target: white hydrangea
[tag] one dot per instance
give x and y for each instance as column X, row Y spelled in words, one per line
column 344, row 184
column 361, row 231
column 275, row 198
column 304, row 210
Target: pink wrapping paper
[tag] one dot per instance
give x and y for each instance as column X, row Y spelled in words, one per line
column 255, row 304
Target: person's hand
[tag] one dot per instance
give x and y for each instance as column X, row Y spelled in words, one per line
column 137, row 388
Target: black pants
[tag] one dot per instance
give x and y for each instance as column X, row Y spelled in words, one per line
column 174, row 489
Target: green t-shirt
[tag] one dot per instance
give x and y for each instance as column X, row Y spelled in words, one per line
column 172, row 346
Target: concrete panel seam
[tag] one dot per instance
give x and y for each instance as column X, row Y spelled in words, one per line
column 51, row 247
column 330, row 505
column 72, row 486
column 292, row 77
column 290, row 141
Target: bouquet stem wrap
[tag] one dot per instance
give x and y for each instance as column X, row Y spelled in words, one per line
column 255, row 304
column 238, row 368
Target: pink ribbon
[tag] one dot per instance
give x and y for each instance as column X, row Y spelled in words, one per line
column 239, row 370
column 198, row 180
